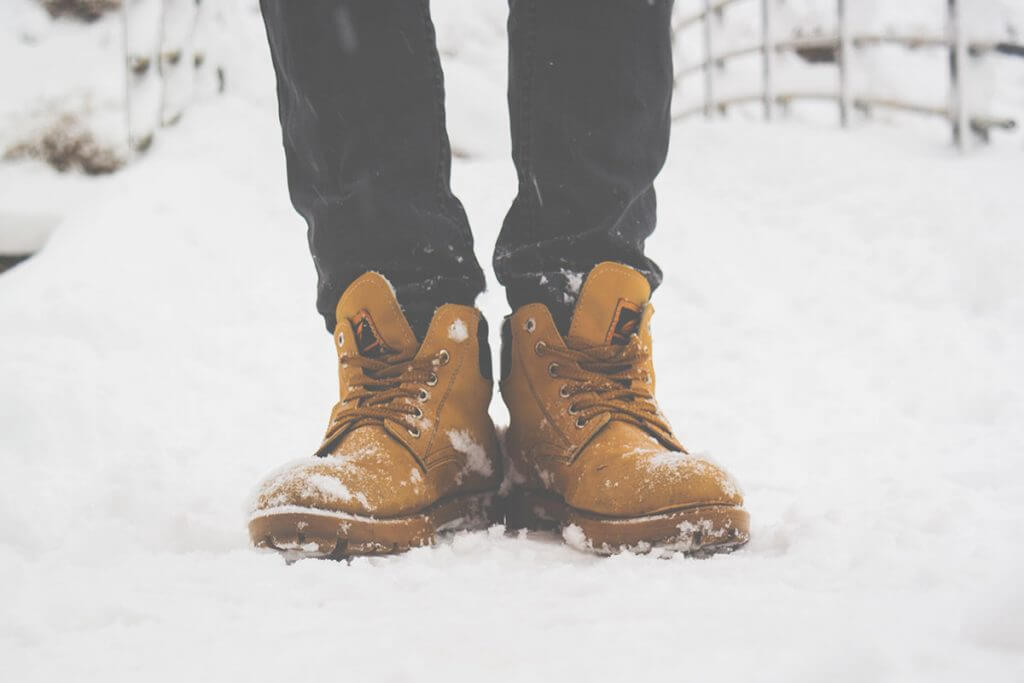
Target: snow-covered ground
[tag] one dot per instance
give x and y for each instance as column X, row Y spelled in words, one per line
column 842, row 324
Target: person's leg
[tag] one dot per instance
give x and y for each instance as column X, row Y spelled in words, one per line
column 590, row 84
column 410, row 449
column 361, row 101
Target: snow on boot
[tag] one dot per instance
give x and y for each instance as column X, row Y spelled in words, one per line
column 590, row 451
column 410, row 449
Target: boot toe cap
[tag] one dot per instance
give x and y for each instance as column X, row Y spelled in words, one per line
column 342, row 485
column 650, row 482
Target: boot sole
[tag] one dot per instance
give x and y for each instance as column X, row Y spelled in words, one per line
column 299, row 533
column 698, row 530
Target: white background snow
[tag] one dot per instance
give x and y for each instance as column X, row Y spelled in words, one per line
column 841, row 324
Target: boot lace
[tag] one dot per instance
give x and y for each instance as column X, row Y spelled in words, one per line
column 385, row 391
column 607, row 379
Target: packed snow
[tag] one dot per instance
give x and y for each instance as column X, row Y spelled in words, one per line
column 333, row 488
column 457, row 331
column 476, row 457
column 841, row 325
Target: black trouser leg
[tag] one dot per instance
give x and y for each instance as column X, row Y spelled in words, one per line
column 590, row 84
column 361, row 101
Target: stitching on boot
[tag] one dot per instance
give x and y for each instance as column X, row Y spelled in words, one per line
column 540, row 403
column 436, row 427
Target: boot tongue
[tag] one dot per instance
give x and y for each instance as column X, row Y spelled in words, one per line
column 370, row 305
column 609, row 307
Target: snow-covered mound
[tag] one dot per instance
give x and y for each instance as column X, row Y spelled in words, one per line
column 841, row 325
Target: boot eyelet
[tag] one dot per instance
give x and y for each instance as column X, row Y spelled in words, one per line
column 563, row 391
column 341, row 339
column 539, row 348
column 431, row 380
column 580, row 423
column 444, row 357
column 530, row 325
column 553, row 369
column 572, row 409
column 424, row 395
column 418, row 414
column 414, row 431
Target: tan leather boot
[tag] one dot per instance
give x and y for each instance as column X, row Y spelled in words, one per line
column 589, row 449
column 410, row 449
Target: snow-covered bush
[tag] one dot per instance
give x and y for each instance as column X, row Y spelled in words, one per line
column 87, row 10
column 67, row 144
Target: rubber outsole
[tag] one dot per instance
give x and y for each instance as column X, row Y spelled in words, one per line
column 299, row 533
column 696, row 530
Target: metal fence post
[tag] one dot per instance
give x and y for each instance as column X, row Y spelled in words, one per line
column 768, row 57
column 143, row 30
column 845, row 51
column 176, row 63
column 709, row 63
column 957, row 62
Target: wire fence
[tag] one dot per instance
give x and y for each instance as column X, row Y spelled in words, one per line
column 839, row 49
column 168, row 61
